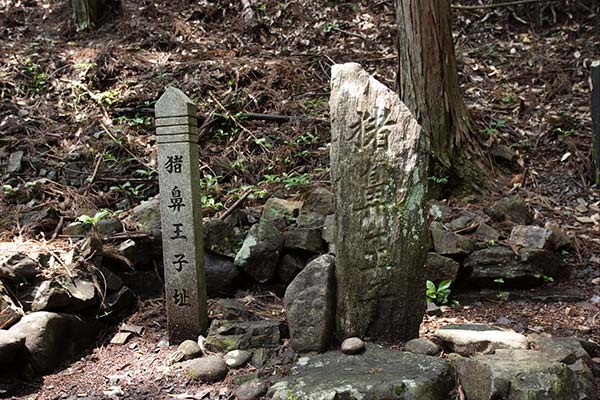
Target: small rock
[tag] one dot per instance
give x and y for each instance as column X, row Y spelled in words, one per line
column 189, row 349
column 252, row 390
column 121, row 338
column 502, row 153
column 304, row 239
column 320, row 200
column 237, row 358
column 208, row 369
column 352, row 345
column 596, row 281
column 280, row 211
column 224, row 336
column 486, row 233
column 439, row 268
column 14, row 162
column 310, row 219
column 109, row 226
column 422, row 346
column 532, row 236
column 147, row 215
column 561, row 239
column 18, row 268
column 449, row 243
column 462, row 222
column 260, row 251
column 74, row 229
column 511, row 208
column 439, row 210
column 221, row 275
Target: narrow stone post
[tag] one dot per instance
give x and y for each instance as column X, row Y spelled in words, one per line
column 179, row 184
column 379, row 177
column 596, row 120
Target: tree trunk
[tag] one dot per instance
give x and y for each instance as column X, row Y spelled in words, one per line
column 88, row 14
column 428, row 79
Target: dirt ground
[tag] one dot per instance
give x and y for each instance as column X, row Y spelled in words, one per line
column 79, row 105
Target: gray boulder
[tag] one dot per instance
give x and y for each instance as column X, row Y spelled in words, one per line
column 221, row 275
column 310, row 305
column 260, row 251
column 64, row 294
column 147, row 215
column 12, row 349
column 320, row 200
column 52, row 338
column 288, row 268
column 470, row 339
column 224, row 336
column 304, row 239
column 486, row 233
column 237, row 358
column 517, row 375
column 439, row 268
column 510, row 208
column 376, row 374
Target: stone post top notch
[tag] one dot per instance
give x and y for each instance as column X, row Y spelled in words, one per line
column 174, row 103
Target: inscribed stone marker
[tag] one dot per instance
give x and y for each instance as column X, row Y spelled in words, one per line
column 596, row 120
column 379, row 177
column 179, row 184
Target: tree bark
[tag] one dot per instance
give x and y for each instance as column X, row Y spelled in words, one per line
column 88, row 14
column 428, row 79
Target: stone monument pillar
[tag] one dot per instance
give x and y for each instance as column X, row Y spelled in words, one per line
column 181, row 219
column 379, row 177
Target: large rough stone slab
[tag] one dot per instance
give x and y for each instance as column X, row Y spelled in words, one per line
column 450, row 243
column 310, row 305
column 568, row 350
column 517, row 375
column 304, row 239
column 224, row 336
column 52, row 338
column 526, row 269
column 439, row 268
column 532, row 236
column 379, row 178
column 470, row 339
column 375, row 374
column 260, row 251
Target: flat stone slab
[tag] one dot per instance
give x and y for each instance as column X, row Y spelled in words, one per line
column 470, row 339
column 520, row 374
column 376, row 374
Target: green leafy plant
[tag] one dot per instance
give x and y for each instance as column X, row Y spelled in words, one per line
column 208, row 201
column 307, row 138
column 89, row 220
column 10, row 190
column 493, row 127
column 499, row 280
column 567, row 133
column 438, row 294
column 146, row 173
column 438, row 180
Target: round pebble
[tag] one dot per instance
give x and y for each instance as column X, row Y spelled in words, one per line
column 208, row 369
column 251, row 390
column 237, row 358
column 352, row 345
column 422, row 346
column 189, row 349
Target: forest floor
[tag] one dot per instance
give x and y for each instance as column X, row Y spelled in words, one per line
column 79, row 106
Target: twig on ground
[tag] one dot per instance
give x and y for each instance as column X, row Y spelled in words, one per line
column 496, row 5
column 235, row 205
column 58, row 228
